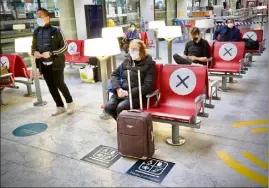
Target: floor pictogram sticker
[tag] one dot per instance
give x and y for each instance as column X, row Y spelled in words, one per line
column 182, row 81
column 4, row 62
column 102, row 155
column 72, row 48
column 228, row 51
column 154, row 169
column 250, row 35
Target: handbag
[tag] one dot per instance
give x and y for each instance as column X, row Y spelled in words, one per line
column 4, row 80
column 87, row 74
column 109, row 85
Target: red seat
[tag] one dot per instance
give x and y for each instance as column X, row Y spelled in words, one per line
column 17, row 66
column 180, row 106
column 75, row 52
column 256, row 35
column 227, row 60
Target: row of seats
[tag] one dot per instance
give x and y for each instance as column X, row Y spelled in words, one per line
column 230, row 59
column 75, row 51
column 181, row 91
column 18, row 72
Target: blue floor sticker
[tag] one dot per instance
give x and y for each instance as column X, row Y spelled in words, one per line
column 29, row 129
column 154, row 169
column 102, row 155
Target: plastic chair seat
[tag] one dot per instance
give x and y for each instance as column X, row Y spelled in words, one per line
column 183, row 112
column 252, row 51
column 225, row 66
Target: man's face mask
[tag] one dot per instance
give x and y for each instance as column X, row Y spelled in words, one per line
column 196, row 39
column 40, row 22
column 230, row 25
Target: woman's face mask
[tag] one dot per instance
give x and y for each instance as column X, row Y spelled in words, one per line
column 134, row 55
column 132, row 28
column 40, row 22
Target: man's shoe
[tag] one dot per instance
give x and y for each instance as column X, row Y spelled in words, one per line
column 70, row 108
column 59, row 111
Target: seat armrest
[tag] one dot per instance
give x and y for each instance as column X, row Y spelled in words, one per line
column 154, row 93
column 209, row 62
column 214, row 83
column 5, row 75
column 200, row 98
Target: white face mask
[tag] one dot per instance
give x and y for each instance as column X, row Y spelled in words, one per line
column 40, row 22
column 230, row 25
column 134, row 55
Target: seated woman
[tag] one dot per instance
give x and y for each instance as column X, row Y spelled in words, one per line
column 131, row 35
column 120, row 99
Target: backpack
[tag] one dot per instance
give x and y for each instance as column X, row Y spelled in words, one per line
column 251, row 44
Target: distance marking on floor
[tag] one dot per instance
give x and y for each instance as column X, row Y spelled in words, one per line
column 253, row 123
column 255, row 160
column 241, row 169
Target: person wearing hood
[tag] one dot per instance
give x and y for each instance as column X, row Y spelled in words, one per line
column 227, row 33
column 48, row 48
column 120, row 99
column 196, row 51
column 131, row 35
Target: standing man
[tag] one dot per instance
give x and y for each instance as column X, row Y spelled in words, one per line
column 196, row 51
column 228, row 33
column 48, row 48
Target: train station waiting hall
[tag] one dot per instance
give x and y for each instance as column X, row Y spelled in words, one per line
column 140, row 93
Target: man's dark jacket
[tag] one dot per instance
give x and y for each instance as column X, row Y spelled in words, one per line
column 147, row 76
column 50, row 38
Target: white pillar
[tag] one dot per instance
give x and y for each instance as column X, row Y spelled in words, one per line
column 182, row 8
column 67, row 18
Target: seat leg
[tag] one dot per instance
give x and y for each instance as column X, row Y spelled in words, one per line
column 224, row 85
column 231, row 80
column 29, row 93
column 250, row 60
column 209, row 105
column 1, row 98
column 175, row 140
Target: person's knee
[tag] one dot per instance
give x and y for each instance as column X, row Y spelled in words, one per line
column 109, row 109
column 121, row 107
column 175, row 56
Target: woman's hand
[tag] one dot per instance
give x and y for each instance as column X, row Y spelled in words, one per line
column 120, row 93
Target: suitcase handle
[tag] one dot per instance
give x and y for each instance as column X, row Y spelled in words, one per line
column 133, row 110
column 129, row 68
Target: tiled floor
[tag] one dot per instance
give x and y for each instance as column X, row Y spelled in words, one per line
column 52, row 158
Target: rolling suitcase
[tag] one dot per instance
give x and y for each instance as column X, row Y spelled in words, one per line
column 134, row 128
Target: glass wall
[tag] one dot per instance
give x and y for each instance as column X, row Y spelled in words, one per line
column 123, row 12
column 160, row 10
column 22, row 14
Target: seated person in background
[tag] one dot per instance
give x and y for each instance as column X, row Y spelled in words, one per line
column 196, row 51
column 227, row 33
column 120, row 99
column 132, row 34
